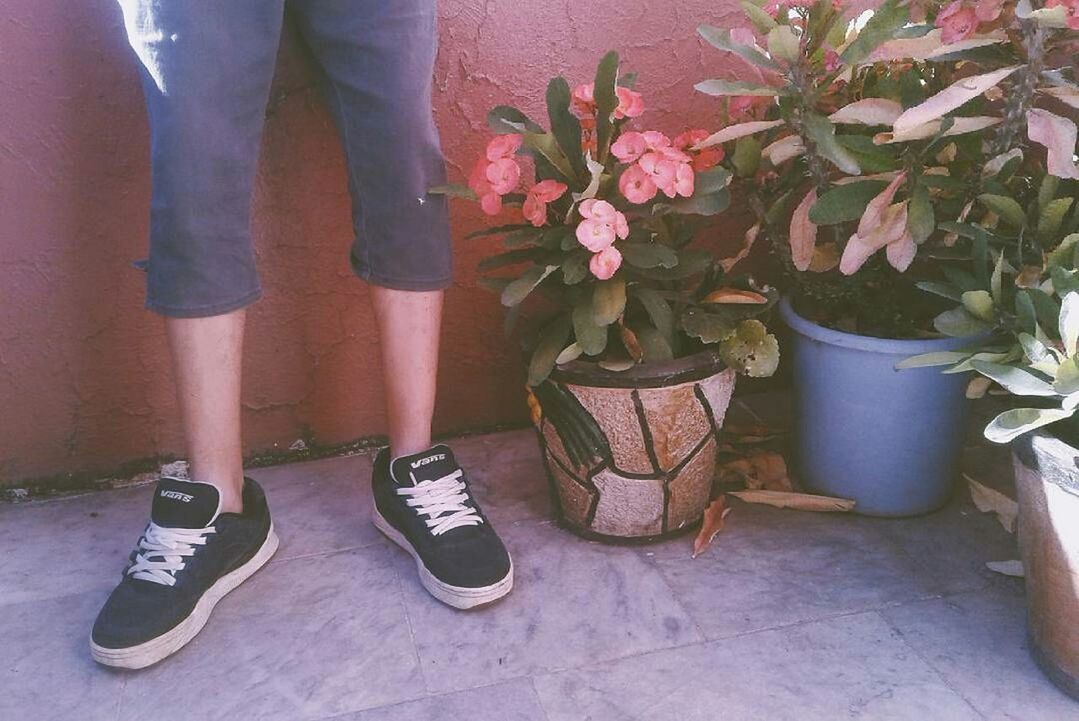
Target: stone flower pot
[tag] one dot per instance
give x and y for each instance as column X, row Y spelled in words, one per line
column 650, row 475
column 1047, row 482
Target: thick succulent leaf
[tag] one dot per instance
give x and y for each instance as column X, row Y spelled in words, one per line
column 519, row 289
column 708, row 327
column 937, row 358
column 738, row 130
column 889, row 17
column 845, row 202
column 803, row 233
column 551, row 343
column 503, row 119
column 952, row 97
column 979, row 303
column 721, row 38
column 869, row 111
column 822, row 133
column 958, row 323
column 591, row 337
column 658, row 309
column 609, row 300
column 1069, row 322
column 1015, row 380
column 751, row 350
column 1007, row 208
column 737, row 87
column 606, row 101
column 1009, row 425
column 565, row 126
column 1058, row 135
column 921, row 221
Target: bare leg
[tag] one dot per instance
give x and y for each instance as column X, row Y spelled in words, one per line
column 409, row 324
column 206, row 354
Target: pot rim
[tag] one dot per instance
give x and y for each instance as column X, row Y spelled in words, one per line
column 698, row 366
column 1038, row 444
column 870, row 344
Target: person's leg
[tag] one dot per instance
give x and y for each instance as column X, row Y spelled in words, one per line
column 378, row 59
column 206, row 355
column 206, row 69
column 408, row 327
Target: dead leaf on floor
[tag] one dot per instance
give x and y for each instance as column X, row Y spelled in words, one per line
column 714, row 516
column 796, row 501
column 1006, row 568
column 978, row 387
column 990, row 500
column 765, row 469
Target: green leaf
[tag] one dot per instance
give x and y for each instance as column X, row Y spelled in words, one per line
column 958, row 323
column 609, row 300
column 708, row 327
column 845, row 202
column 648, row 255
column 498, row 230
column 658, row 309
column 751, row 350
column 1052, row 216
column 606, row 101
column 1064, row 281
column 565, row 126
column 944, row 290
column 699, row 203
column 737, row 87
column 939, row 358
column 1009, row 425
column 1047, row 190
column 551, row 342
column 1069, row 322
column 591, row 336
column 654, row 344
column 747, row 156
column 575, row 267
column 760, row 19
column 547, row 147
column 1015, row 380
column 721, row 38
column 783, row 43
column 714, row 180
column 1064, row 254
column 821, row 131
column 1026, row 316
column 1005, row 207
column 996, row 282
column 519, row 289
column 920, row 218
column 889, row 17
column 454, row 190
column 1067, row 378
column 512, row 257
column 503, row 119
column 979, row 303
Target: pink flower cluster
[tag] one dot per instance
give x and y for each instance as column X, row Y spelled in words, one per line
column 537, row 198
column 601, row 224
column 630, row 103
column 496, row 173
column 657, row 165
column 960, row 19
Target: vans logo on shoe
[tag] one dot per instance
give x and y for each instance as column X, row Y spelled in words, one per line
column 177, row 496
column 428, row 459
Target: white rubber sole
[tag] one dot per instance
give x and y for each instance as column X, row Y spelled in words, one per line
column 461, row 597
column 150, row 652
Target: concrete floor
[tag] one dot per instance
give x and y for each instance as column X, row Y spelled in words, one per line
column 787, row 616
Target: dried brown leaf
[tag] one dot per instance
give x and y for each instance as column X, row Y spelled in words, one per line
column 714, row 517
column 796, row 501
column 990, row 500
column 764, row 469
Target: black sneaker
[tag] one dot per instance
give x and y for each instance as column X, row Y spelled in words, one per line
column 423, row 504
column 187, row 559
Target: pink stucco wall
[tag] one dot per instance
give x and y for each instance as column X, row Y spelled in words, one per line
column 84, row 379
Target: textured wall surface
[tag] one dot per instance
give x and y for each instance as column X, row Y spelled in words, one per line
column 84, row 379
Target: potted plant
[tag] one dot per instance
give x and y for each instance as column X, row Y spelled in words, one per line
column 872, row 141
column 634, row 331
column 1023, row 290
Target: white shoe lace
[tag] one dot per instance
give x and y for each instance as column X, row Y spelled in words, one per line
column 171, row 546
column 446, row 495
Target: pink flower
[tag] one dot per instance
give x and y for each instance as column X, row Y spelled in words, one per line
column 595, row 234
column 661, row 171
column 683, row 180
column 774, row 6
column 1071, row 8
column 605, row 263
column 957, row 22
column 655, row 139
column 598, row 210
column 535, row 205
column 583, row 100
column 630, row 104
column 636, row 185
column 503, row 146
column 503, row 174
column 490, row 201
column 831, row 61
column 702, row 159
column 629, row 147
column 589, row 141
column 988, row 10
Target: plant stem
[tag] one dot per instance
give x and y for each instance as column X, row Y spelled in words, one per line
column 1021, row 97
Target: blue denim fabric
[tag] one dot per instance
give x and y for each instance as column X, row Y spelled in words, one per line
column 206, row 67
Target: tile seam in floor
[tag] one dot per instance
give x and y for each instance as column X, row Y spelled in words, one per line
column 652, row 562
column 425, row 697
column 930, row 665
column 399, row 590
column 537, row 697
column 317, row 554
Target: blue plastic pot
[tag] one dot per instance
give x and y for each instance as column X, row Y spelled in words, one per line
column 888, row 439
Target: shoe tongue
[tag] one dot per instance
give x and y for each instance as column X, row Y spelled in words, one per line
column 427, row 465
column 185, row 504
